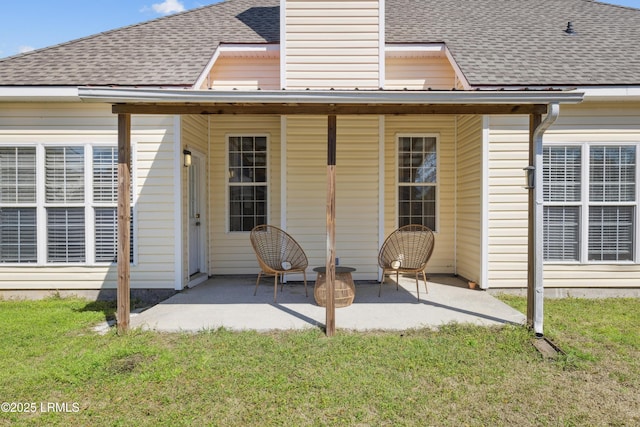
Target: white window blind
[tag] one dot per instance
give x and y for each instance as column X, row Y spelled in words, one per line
column 611, row 233
column 562, row 170
column 105, row 198
column 561, row 233
column 105, row 174
column 65, row 203
column 612, row 196
column 612, row 174
column 590, row 198
column 65, row 235
column 18, row 235
column 64, row 177
column 561, row 178
column 106, row 234
column 17, row 175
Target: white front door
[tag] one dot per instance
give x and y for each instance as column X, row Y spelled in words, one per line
column 195, row 216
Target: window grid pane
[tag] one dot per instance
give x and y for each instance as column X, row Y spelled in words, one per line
column 66, row 235
column 247, row 159
column 611, row 230
column 17, row 175
column 417, row 205
column 612, row 174
column 562, row 174
column 105, row 174
column 106, row 235
column 64, row 176
column 561, row 233
column 18, row 235
column 417, row 160
column 247, row 207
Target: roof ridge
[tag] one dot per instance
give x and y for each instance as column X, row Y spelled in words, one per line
column 114, row 30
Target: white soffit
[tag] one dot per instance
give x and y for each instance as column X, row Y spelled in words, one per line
column 428, row 50
column 238, row 51
column 415, row 50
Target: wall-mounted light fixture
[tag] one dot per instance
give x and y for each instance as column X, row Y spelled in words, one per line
column 187, row 158
column 530, row 176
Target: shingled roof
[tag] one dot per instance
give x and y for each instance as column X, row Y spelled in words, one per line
column 495, row 43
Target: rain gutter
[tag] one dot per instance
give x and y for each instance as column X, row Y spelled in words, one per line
column 145, row 95
column 39, row 94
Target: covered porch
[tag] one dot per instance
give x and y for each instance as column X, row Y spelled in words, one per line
column 334, row 104
column 228, row 302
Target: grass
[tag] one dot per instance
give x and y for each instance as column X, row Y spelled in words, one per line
column 459, row 375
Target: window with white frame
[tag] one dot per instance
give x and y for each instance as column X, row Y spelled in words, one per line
column 590, row 196
column 417, row 180
column 18, row 234
column 247, row 182
column 70, row 212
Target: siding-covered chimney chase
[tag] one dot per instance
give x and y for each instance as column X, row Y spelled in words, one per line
column 332, row 44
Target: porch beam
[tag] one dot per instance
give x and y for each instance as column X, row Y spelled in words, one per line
column 328, row 109
column 330, row 324
column 124, row 220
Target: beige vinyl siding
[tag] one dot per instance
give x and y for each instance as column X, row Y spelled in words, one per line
column 231, row 253
column 469, row 197
column 195, row 136
column 508, row 201
column 154, row 140
column 152, row 155
column 357, row 215
column 588, row 122
column 443, row 258
column 332, row 44
column 417, row 73
column 245, row 73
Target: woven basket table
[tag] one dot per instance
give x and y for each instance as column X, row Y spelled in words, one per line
column 345, row 290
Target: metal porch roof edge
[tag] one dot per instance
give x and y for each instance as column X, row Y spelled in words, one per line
column 381, row 97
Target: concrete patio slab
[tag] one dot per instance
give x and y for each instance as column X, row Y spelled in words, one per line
column 228, row 302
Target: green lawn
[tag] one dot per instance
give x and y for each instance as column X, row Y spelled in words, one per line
column 459, row 375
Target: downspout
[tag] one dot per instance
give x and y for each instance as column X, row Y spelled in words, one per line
column 537, row 213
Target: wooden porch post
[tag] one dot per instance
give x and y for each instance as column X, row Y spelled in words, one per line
column 124, row 220
column 330, row 327
column 534, row 122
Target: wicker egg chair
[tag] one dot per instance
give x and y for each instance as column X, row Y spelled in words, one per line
column 406, row 250
column 278, row 254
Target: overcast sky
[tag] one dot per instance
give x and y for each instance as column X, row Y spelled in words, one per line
column 32, row 24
